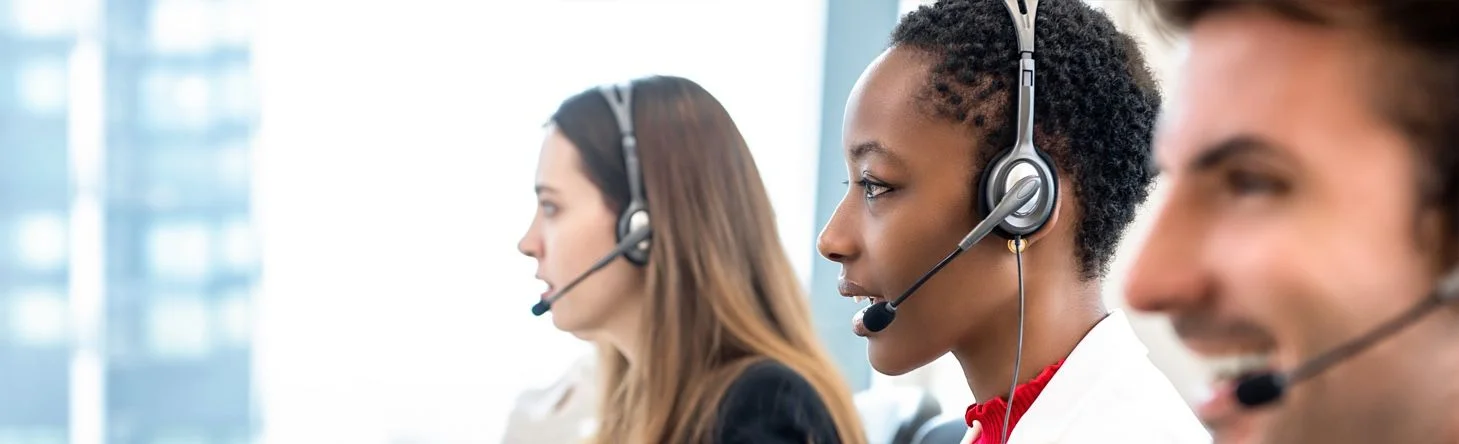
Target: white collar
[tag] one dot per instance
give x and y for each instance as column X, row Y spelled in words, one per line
column 1104, row 352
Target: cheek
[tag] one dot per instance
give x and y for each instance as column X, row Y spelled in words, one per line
column 1264, row 267
column 574, row 243
column 1310, row 273
column 900, row 250
column 600, row 298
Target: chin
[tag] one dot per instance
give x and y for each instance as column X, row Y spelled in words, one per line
column 892, row 358
column 576, row 325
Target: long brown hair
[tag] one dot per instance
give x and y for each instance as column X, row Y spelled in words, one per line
column 721, row 292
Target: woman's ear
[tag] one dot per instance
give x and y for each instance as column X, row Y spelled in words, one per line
column 1059, row 209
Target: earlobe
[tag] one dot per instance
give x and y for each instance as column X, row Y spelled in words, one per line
column 1053, row 222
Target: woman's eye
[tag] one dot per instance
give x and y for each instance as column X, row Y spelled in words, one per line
column 1246, row 183
column 873, row 189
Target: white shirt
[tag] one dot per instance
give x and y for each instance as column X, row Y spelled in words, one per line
column 563, row 413
column 1108, row 391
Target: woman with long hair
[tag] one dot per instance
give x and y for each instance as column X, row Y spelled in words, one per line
column 704, row 331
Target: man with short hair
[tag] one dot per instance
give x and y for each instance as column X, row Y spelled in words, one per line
column 1311, row 163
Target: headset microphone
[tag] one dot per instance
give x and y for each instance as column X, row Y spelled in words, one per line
column 881, row 314
column 1268, row 387
column 628, row 243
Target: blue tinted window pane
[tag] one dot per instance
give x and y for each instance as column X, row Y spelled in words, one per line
column 32, row 435
column 181, row 251
column 180, row 436
column 180, row 174
column 239, row 247
column 37, row 317
column 236, row 93
column 234, row 316
column 183, row 26
column 236, row 27
column 35, row 387
column 176, row 100
column 41, row 86
column 234, row 168
column 179, row 328
column 43, row 18
column 40, row 240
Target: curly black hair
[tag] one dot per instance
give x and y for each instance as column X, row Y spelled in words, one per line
column 1094, row 110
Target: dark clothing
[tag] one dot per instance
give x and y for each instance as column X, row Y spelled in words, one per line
column 770, row 403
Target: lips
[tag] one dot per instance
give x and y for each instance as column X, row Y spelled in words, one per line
column 856, row 292
column 1220, row 411
column 850, row 289
column 550, row 288
column 1230, row 356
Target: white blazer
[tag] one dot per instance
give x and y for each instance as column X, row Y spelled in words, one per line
column 1108, row 391
column 563, row 413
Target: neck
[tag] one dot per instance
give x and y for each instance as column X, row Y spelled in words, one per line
column 1437, row 383
column 624, row 332
column 1057, row 316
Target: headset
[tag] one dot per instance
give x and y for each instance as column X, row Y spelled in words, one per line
column 634, row 216
column 634, row 232
column 1024, row 158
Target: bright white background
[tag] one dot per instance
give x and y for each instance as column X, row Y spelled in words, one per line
column 394, row 164
column 394, row 169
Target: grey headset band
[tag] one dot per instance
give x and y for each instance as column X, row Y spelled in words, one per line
column 1024, row 13
column 1023, row 23
column 620, row 100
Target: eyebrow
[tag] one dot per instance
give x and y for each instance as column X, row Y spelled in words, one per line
column 541, row 188
column 1242, row 145
column 873, row 149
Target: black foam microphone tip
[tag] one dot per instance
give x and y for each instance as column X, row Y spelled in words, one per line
column 540, row 308
column 878, row 316
column 1260, row 389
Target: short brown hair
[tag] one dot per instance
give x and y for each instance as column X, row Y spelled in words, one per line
column 1418, row 89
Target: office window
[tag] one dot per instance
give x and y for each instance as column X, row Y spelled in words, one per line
column 238, row 246
column 40, row 240
column 43, row 18
column 178, row 328
column 41, row 85
column 233, row 316
column 35, row 41
column 32, row 435
column 182, row 26
column 232, row 165
column 235, row 93
column 176, row 100
column 180, row 251
column 37, row 317
column 180, row 90
column 236, row 25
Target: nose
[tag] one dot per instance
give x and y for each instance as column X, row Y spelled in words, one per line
column 835, row 242
column 1168, row 274
column 531, row 243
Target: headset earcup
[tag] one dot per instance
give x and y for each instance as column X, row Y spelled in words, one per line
column 626, row 225
column 987, row 199
column 1053, row 189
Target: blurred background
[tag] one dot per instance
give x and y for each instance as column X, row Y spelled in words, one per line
column 240, row 221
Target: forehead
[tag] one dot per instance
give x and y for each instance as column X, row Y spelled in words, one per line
column 1303, row 88
column 558, row 162
column 887, row 107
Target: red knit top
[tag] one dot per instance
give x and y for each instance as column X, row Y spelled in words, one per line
column 990, row 413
